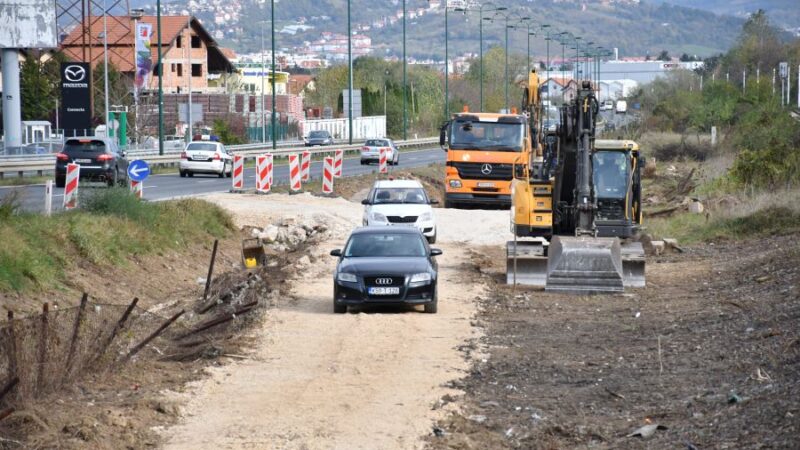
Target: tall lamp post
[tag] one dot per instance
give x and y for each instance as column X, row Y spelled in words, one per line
column 136, row 14
column 263, row 90
column 272, row 76
column 490, row 7
column 507, row 17
column 105, row 70
column 349, row 78
column 546, row 28
column 405, row 76
column 447, row 62
column 160, row 82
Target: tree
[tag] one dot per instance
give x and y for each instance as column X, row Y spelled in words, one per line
column 664, row 56
column 37, row 91
column 119, row 89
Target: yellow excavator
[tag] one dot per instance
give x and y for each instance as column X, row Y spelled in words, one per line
column 576, row 211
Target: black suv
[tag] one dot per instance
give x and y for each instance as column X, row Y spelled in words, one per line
column 385, row 266
column 100, row 159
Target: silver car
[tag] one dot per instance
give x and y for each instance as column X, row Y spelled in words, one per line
column 371, row 151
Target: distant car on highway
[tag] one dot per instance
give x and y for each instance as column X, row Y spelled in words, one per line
column 622, row 107
column 318, row 137
column 205, row 157
column 385, row 266
column 607, row 105
column 99, row 157
column 401, row 203
column 371, row 151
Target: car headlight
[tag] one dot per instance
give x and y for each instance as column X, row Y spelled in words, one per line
column 347, row 277
column 378, row 217
column 455, row 184
column 425, row 217
column 419, row 279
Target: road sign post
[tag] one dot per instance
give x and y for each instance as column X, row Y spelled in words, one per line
column 138, row 171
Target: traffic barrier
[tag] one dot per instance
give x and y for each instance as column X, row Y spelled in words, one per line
column 294, row 172
column 382, row 165
column 136, row 188
column 264, row 173
column 338, row 156
column 71, row 186
column 48, row 197
column 305, row 166
column 327, row 175
column 238, row 172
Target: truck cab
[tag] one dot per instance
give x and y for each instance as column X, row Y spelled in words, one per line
column 484, row 151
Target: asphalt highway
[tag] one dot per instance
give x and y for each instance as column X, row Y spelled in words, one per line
column 168, row 186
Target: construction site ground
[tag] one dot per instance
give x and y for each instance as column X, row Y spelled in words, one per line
column 709, row 351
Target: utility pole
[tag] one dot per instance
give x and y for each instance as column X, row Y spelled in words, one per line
column 272, row 73
column 350, row 78
column 160, row 83
column 263, row 98
column 188, row 45
column 105, row 70
column 405, row 76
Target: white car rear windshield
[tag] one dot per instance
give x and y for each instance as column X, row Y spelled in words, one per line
column 388, row 244
column 202, row 146
column 377, row 143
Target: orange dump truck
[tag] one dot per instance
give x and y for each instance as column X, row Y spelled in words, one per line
column 483, row 152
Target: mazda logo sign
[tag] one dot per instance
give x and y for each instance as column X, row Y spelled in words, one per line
column 486, row 169
column 74, row 74
column 383, row 281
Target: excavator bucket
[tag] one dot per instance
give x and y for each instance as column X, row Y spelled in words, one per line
column 576, row 265
column 584, row 265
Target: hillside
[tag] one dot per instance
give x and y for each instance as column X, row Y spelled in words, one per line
column 635, row 28
column 782, row 12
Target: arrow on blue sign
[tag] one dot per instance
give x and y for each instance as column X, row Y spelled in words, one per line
column 138, row 170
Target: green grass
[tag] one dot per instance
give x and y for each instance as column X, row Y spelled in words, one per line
column 110, row 227
column 694, row 228
column 23, row 181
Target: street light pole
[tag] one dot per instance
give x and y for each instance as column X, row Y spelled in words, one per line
column 189, row 73
column 546, row 27
column 480, row 41
column 405, row 76
column 349, row 78
column 160, row 83
column 105, row 69
column 446, row 67
column 272, row 74
column 263, row 98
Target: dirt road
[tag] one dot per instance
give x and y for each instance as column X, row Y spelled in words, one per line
column 318, row 380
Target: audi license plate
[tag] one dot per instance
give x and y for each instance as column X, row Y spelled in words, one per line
column 81, row 161
column 489, row 185
column 384, row 291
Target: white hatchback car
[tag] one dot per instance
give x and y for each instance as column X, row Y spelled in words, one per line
column 205, row 157
column 371, row 151
column 400, row 203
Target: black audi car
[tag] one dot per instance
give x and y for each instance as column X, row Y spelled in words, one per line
column 384, row 265
column 99, row 157
column 318, row 137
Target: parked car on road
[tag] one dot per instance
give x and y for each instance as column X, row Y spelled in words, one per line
column 385, row 266
column 205, row 157
column 318, row 137
column 99, row 157
column 607, row 105
column 622, row 107
column 402, row 203
column 371, row 151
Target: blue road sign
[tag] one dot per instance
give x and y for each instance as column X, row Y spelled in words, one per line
column 138, row 170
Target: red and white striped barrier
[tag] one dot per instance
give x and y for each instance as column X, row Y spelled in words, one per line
column 71, row 186
column 327, row 175
column 305, row 166
column 338, row 156
column 264, row 173
column 382, row 165
column 238, row 172
column 294, row 171
column 137, row 189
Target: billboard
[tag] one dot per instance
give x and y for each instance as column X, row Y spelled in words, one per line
column 28, row 24
column 76, row 95
column 144, row 60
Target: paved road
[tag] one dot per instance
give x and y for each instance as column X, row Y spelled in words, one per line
column 166, row 186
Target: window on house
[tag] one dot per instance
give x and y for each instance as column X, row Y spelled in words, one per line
column 196, row 42
column 197, row 70
column 156, row 69
column 180, row 70
column 179, row 41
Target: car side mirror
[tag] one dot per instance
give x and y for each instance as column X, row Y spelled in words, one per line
column 337, row 252
column 366, row 202
column 434, row 202
column 435, row 252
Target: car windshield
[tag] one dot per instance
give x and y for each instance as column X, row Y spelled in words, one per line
column 496, row 136
column 318, row 134
column 610, row 174
column 400, row 195
column 385, row 244
column 203, row 146
column 85, row 145
column 376, row 143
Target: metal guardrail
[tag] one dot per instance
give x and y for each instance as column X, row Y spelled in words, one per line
column 40, row 165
